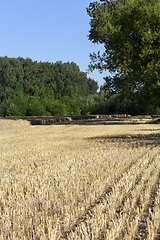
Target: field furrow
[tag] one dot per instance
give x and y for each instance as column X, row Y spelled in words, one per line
column 116, row 206
column 79, row 181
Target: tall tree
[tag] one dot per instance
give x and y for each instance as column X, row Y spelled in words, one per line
column 130, row 32
column 43, row 79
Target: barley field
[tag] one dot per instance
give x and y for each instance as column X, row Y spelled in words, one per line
column 80, row 180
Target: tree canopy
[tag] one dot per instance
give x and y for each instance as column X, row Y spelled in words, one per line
column 42, row 79
column 41, row 88
column 130, row 32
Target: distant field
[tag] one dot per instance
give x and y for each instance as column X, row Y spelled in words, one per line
column 87, row 179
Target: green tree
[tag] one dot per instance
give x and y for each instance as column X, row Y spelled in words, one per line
column 130, row 32
column 41, row 88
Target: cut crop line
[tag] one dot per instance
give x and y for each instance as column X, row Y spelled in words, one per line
column 151, row 219
column 132, row 228
column 153, row 225
column 113, row 190
column 115, row 224
column 107, row 190
column 79, row 214
column 138, row 198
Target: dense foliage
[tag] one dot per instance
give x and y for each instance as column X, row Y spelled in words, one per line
column 130, row 33
column 29, row 88
column 41, row 88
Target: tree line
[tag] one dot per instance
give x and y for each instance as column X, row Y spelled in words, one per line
column 130, row 33
column 41, row 88
column 29, row 88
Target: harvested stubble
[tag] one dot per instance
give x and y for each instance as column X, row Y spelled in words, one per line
column 79, row 182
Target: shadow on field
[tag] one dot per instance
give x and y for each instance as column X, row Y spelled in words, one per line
column 82, row 120
column 138, row 140
column 98, row 121
column 50, row 120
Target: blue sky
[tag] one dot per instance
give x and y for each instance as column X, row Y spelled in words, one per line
column 48, row 31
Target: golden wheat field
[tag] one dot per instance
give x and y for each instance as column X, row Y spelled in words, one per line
column 83, row 180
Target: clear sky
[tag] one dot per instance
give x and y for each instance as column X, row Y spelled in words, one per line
column 48, row 30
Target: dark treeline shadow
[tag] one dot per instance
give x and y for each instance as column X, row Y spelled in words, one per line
column 131, row 140
column 78, row 120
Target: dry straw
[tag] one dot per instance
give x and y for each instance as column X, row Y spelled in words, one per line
column 79, row 181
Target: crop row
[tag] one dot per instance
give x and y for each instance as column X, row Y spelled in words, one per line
column 99, row 191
